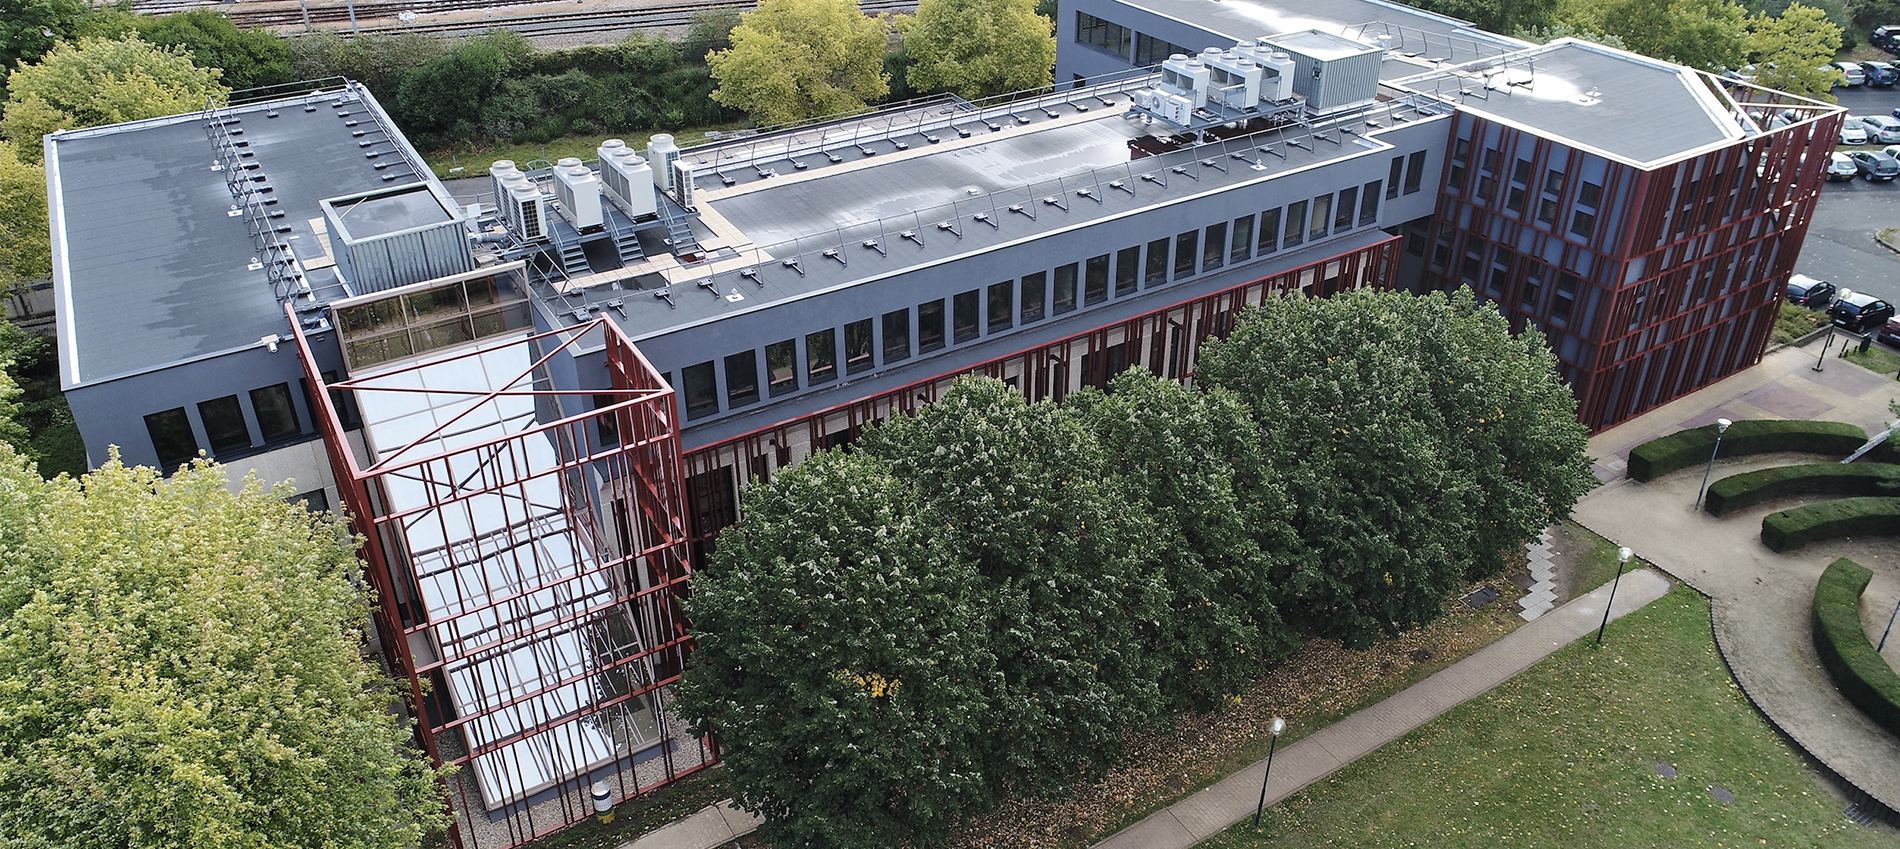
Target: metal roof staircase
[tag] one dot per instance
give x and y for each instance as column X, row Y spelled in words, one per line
column 621, row 228
column 567, row 241
column 679, row 229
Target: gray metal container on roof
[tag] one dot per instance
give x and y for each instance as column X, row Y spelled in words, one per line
column 1332, row 72
column 393, row 237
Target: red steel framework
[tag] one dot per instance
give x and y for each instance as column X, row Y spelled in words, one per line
column 630, row 482
column 1165, row 341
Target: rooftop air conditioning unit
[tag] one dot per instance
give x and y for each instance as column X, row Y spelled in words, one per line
column 626, row 179
column 662, row 153
column 579, row 193
column 526, row 210
column 683, row 179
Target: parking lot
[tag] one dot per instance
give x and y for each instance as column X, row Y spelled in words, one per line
column 1840, row 247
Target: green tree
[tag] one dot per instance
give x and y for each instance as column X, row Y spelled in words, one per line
column 181, row 666
column 842, row 660
column 25, row 24
column 1191, row 460
column 445, row 96
column 377, row 61
column 1496, row 15
column 15, row 348
column 1791, row 51
column 25, row 246
column 97, row 81
column 249, row 58
column 978, row 48
column 711, row 30
column 796, row 59
column 1417, row 440
column 1066, row 570
column 1705, row 34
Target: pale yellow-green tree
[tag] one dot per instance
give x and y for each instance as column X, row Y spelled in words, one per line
column 24, row 248
column 978, row 48
column 1791, row 51
column 98, row 81
column 181, row 666
column 796, row 59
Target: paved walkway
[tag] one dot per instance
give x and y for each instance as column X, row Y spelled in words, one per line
column 1210, row 811
column 1762, row 599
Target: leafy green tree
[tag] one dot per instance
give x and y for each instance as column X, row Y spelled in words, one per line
column 1791, row 51
column 1705, row 34
column 978, row 48
column 842, row 659
column 1191, row 460
column 1072, row 600
column 711, row 30
column 25, row 24
column 1566, row 29
column 796, row 59
column 1417, row 440
column 25, row 246
column 97, row 81
column 445, row 95
column 1495, row 15
column 250, row 58
column 181, row 666
column 15, row 346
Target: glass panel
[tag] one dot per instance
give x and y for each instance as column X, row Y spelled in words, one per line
column 896, row 335
column 369, row 318
column 1214, row 248
column 1035, row 295
column 1269, row 231
column 1002, row 305
column 1127, row 270
column 1295, row 223
column 821, row 356
column 276, row 418
column 1242, row 244
column 172, row 437
column 1184, row 253
column 742, row 378
column 1157, row 264
column 224, row 424
column 606, row 425
column 1392, row 179
column 1342, row 217
column 857, row 346
column 929, row 326
column 702, row 390
column 781, row 366
column 1369, row 209
column 965, row 308
column 1065, row 289
column 1095, row 280
column 1414, row 172
column 1322, row 210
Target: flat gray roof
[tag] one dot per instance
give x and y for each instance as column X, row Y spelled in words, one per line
column 1411, row 30
column 154, row 270
column 390, row 212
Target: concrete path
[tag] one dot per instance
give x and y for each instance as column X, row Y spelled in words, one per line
column 1210, row 811
column 1543, row 592
column 714, row 826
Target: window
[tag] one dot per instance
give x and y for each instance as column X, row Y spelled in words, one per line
column 1094, row 31
column 1035, row 295
column 1241, row 246
column 315, row 501
column 702, row 391
column 781, row 367
column 821, row 356
column 1002, row 305
column 1184, row 253
column 1342, row 213
column 276, row 418
column 896, row 336
column 606, row 425
column 1156, row 270
column 1487, row 188
column 1460, row 150
column 1269, row 231
column 1521, row 173
column 1554, row 183
column 857, row 346
column 1514, row 200
column 1566, row 296
column 1154, row 51
column 224, row 424
column 1295, row 223
column 1533, row 281
column 1583, row 223
column 342, row 401
column 1214, row 248
column 1127, row 270
column 963, row 314
column 1065, row 289
column 1589, row 193
column 1322, row 210
column 172, row 437
column 1547, row 211
column 1414, row 172
column 1369, row 209
column 929, row 326
column 1392, row 178
column 1095, row 280
column 742, row 379
column 1490, row 160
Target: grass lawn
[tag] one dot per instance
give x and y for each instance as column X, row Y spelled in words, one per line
column 1878, row 360
column 1564, row 755
column 1795, row 321
column 474, row 162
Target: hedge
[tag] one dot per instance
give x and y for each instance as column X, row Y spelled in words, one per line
column 1748, row 489
column 1846, row 517
column 1684, row 449
column 1860, row 673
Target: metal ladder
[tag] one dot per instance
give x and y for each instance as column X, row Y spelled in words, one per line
column 679, row 230
column 621, row 228
column 567, row 241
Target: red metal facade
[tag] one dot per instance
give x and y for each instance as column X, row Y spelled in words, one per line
column 631, row 485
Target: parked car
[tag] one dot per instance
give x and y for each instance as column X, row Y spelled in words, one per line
column 1890, row 332
column 1881, row 129
column 1805, row 291
column 1886, row 38
column 1881, row 74
column 1851, row 74
column 1853, row 132
column 1840, row 166
column 1876, row 167
column 1859, row 312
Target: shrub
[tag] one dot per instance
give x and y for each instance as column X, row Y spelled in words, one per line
column 1846, row 517
column 1659, row 457
column 1748, row 489
column 1862, row 675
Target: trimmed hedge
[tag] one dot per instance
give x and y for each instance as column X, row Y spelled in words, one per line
column 1684, row 449
column 1748, row 489
column 1846, row 517
column 1862, row 675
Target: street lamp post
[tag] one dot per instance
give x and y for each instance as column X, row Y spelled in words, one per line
column 1276, row 727
column 1883, row 635
column 1721, row 427
column 1622, row 559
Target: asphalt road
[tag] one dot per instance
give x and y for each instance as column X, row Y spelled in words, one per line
column 1840, row 247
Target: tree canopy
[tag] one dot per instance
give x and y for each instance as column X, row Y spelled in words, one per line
column 25, row 249
column 25, row 24
column 1791, row 51
column 249, row 58
column 1705, row 34
column 1495, row 15
column 978, row 48
column 96, row 81
column 181, row 666
column 796, row 59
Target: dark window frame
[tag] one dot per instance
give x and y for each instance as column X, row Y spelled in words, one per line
column 170, row 431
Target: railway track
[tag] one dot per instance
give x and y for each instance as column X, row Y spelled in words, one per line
column 552, row 23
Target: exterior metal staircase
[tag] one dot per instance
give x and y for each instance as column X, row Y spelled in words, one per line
column 567, row 241
column 679, row 229
column 621, row 228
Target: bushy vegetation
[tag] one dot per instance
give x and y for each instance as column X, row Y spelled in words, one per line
column 1739, row 492
column 1845, row 517
column 1862, row 675
column 1688, row 448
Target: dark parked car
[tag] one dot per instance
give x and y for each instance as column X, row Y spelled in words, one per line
column 1890, row 332
column 1875, row 166
column 1860, row 313
column 1808, row 292
column 1886, row 38
column 1880, row 74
